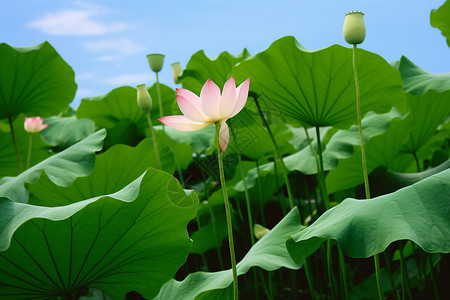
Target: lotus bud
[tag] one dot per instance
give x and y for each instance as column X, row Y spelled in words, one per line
column 354, row 27
column 260, row 231
column 176, row 70
column 156, row 62
column 34, row 124
column 144, row 100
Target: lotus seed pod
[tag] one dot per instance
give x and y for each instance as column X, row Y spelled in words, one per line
column 176, row 70
column 354, row 27
column 156, row 62
column 144, row 100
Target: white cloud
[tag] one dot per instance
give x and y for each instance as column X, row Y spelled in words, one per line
column 84, row 76
column 114, row 49
column 130, row 79
column 79, row 21
column 81, row 93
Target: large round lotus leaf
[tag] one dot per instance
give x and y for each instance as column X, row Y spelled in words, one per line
column 317, row 87
column 417, row 81
column 132, row 239
column 440, row 18
column 34, row 80
column 200, row 68
column 118, row 112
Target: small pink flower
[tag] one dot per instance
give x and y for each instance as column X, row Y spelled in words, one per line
column 211, row 107
column 34, row 124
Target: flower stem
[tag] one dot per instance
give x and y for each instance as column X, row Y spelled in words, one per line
column 364, row 165
column 358, row 114
column 19, row 157
column 278, row 154
column 155, row 144
column 321, row 174
column 213, row 222
column 161, row 112
column 247, row 201
column 228, row 214
column 30, row 144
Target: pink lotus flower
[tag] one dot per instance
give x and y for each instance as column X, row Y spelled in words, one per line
column 210, row 108
column 34, row 124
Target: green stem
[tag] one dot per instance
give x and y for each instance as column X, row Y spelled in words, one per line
column 309, row 279
column 406, row 290
column 364, row 165
column 213, row 222
column 278, row 154
column 261, row 204
column 161, row 112
column 330, row 270
column 312, row 149
column 228, row 214
column 391, row 278
column 19, row 157
column 343, row 272
column 433, row 281
column 247, row 201
column 203, row 254
column 417, row 161
column 155, row 144
column 378, row 276
column 30, row 144
column 358, row 114
column 321, row 174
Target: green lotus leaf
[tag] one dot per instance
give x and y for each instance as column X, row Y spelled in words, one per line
column 440, row 18
column 249, row 137
column 417, row 81
column 200, row 68
column 132, row 240
column 118, row 112
column 317, row 87
column 113, row 170
column 428, row 112
column 9, row 162
column 268, row 253
column 381, row 150
column 64, row 132
column 62, row 168
column 35, row 81
column 362, row 228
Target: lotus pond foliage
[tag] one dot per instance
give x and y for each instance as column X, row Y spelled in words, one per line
column 326, row 176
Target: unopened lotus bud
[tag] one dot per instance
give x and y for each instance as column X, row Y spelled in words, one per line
column 260, row 231
column 176, row 70
column 156, row 62
column 354, row 27
column 144, row 100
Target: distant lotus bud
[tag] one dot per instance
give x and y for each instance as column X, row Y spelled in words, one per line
column 354, row 27
column 35, row 124
column 156, row 62
column 260, row 231
column 144, row 100
column 176, row 70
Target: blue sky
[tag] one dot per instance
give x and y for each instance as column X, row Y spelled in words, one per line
column 106, row 42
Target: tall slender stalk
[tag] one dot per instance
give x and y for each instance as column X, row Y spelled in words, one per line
column 323, row 187
column 278, row 154
column 155, row 144
column 228, row 214
column 161, row 112
column 213, row 222
column 30, row 145
column 364, row 165
column 247, row 201
column 19, row 157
